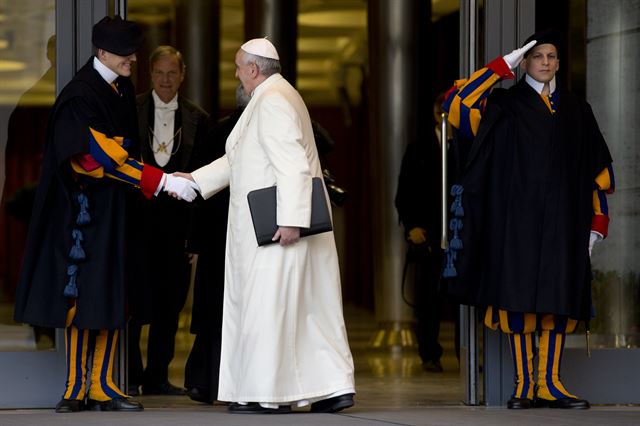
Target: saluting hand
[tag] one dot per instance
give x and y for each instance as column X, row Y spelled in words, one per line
column 514, row 58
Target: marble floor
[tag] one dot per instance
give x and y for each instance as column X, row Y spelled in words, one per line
column 392, row 389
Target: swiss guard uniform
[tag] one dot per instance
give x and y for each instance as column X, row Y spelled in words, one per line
column 533, row 189
column 73, row 275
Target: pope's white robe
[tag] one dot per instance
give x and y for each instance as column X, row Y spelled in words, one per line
column 283, row 333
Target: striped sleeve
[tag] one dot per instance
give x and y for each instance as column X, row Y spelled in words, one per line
column 604, row 184
column 465, row 101
column 108, row 157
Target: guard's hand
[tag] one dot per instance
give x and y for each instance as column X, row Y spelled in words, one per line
column 193, row 258
column 417, row 235
column 180, row 188
column 593, row 239
column 287, row 235
column 514, row 58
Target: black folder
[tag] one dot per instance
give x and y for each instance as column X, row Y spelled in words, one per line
column 262, row 204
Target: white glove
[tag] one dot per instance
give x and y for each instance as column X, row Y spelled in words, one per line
column 514, row 58
column 179, row 187
column 593, row 239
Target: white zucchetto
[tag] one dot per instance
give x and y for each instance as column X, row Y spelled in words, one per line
column 261, row 47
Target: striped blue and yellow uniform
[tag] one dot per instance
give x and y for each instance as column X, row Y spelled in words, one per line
column 464, row 104
column 108, row 157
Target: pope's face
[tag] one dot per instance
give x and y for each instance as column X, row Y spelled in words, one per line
column 121, row 65
column 542, row 63
column 246, row 72
column 166, row 77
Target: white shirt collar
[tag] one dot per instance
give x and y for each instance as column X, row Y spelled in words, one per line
column 537, row 86
column 159, row 103
column 104, row 71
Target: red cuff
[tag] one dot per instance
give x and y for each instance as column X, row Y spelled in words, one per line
column 150, row 180
column 500, row 67
column 600, row 223
column 87, row 162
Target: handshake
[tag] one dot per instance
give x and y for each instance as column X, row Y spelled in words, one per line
column 179, row 185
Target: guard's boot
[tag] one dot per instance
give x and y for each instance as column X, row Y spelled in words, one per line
column 522, row 352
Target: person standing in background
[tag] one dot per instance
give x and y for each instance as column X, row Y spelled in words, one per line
column 418, row 204
column 172, row 129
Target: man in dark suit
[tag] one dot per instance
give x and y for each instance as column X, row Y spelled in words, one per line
column 171, row 129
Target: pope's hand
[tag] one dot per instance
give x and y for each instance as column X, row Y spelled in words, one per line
column 593, row 239
column 287, row 235
column 180, row 188
column 184, row 175
column 514, row 58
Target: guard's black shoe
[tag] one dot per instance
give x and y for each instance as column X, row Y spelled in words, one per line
column 255, row 408
column 115, row 404
column 333, row 405
column 571, row 403
column 519, row 403
column 165, row 388
column 199, row 395
column 432, row 366
column 69, row 406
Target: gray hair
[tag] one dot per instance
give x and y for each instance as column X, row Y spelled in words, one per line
column 266, row 66
column 242, row 99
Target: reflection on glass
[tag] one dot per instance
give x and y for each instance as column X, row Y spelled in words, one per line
column 612, row 79
column 27, row 92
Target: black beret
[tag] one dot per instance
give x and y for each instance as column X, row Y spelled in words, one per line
column 117, row 36
column 546, row 36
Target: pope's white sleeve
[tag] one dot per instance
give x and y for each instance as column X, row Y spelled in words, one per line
column 213, row 177
column 280, row 134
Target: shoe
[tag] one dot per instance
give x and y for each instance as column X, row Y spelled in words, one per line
column 115, row 404
column 133, row 390
column 432, row 366
column 165, row 388
column 571, row 403
column 519, row 403
column 255, row 408
column 333, row 405
column 69, row 406
column 199, row 395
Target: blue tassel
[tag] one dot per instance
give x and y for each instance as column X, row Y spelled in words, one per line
column 450, row 270
column 71, row 289
column 77, row 253
column 76, row 234
column 456, row 190
column 83, row 216
column 456, row 243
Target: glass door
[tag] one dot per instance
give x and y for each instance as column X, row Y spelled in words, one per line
column 39, row 54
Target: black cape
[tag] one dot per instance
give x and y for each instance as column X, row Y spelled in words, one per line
column 87, row 101
column 528, row 205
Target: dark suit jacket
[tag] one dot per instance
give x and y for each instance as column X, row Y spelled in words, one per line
column 159, row 240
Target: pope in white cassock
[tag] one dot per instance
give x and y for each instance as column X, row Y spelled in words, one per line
column 283, row 336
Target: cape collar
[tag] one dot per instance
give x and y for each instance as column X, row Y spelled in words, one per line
column 537, row 86
column 104, row 71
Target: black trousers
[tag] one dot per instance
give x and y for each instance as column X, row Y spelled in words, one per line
column 428, row 302
column 203, row 365
column 168, row 296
